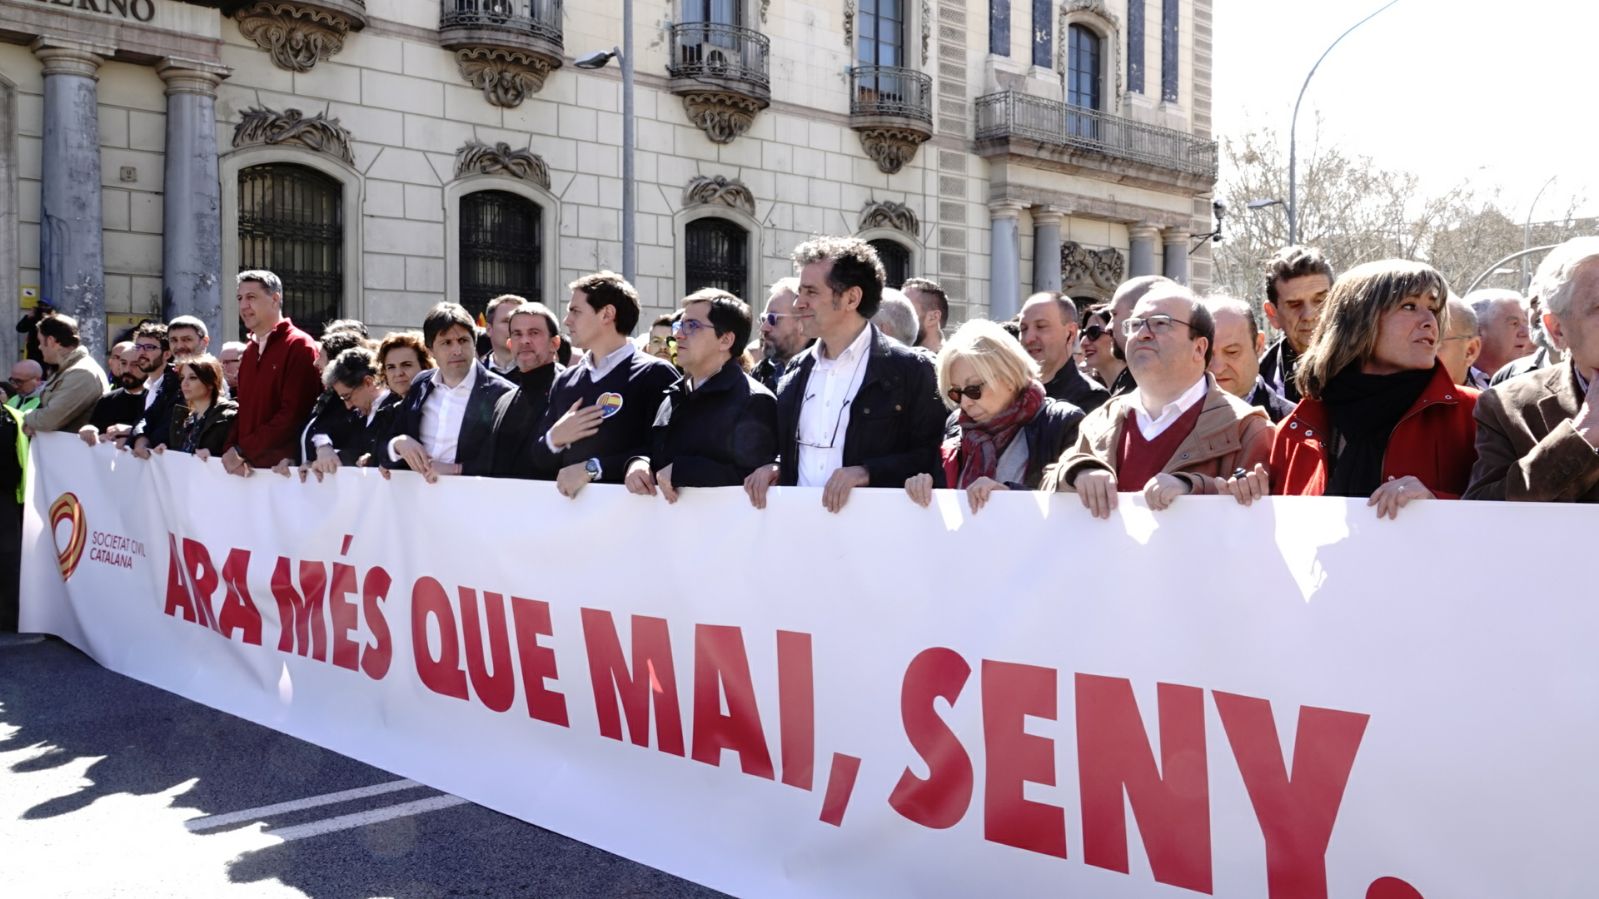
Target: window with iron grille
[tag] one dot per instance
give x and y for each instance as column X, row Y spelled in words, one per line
column 896, row 261
column 715, row 254
column 501, row 248
column 291, row 223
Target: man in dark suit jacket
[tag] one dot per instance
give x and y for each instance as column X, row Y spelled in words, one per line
column 445, row 424
column 534, row 342
column 857, row 410
column 1049, row 334
column 1538, row 434
column 716, row 424
column 602, row 407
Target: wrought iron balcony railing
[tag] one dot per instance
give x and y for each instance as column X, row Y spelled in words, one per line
column 539, row 19
column 1010, row 114
column 890, row 91
column 721, row 54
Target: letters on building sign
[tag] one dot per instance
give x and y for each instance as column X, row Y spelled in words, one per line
column 133, row 10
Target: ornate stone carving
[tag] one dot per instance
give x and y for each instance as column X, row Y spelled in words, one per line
column 719, row 190
column 1101, row 269
column 764, row 5
column 927, row 28
column 849, row 25
column 297, row 35
column 888, row 214
column 504, row 76
column 477, row 158
column 722, row 116
column 890, row 148
column 319, row 133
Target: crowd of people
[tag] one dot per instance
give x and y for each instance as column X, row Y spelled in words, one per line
column 1383, row 385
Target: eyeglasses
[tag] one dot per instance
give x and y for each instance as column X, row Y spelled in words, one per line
column 1094, row 332
column 1158, row 325
column 688, row 327
column 837, row 423
column 770, row 319
column 970, row 391
column 148, row 347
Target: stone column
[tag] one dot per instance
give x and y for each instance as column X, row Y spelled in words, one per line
column 1141, row 254
column 1176, row 255
column 1046, row 247
column 1004, row 260
column 191, row 248
column 71, row 252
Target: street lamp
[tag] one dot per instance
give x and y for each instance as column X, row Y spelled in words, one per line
column 1293, row 194
column 1526, row 233
column 1256, row 205
column 597, row 60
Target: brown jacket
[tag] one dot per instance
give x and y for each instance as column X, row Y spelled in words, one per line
column 1527, row 448
column 1230, row 434
column 69, row 396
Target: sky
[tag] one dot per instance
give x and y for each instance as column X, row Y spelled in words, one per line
column 1498, row 94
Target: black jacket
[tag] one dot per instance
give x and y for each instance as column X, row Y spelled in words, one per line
column 1070, row 386
column 896, row 421
column 474, row 450
column 1049, row 435
column 640, row 380
column 159, row 413
column 210, row 433
column 1276, row 406
column 1277, row 367
column 119, row 407
column 343, row 426
column 716, row 435
column 516, row 420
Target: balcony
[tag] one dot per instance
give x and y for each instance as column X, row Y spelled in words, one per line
column 1009, row 122
column 505, row 48
column 891, row 108
column 722, row 74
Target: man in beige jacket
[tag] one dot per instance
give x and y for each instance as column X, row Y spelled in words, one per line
column 1177, row 432
column 79, row 382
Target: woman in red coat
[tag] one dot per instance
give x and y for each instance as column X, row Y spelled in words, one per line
column 1380, row 416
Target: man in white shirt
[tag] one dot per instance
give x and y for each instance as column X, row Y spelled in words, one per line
column 857, row 409
column 500, row 359
column 444, row 426
column 1177, row 432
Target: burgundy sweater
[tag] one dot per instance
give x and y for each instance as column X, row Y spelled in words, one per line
column 277, row 388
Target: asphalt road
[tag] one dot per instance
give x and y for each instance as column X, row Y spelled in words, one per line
column 109, row 787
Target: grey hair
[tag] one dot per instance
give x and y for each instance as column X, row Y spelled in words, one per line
column 270, row 282
column 189, row 321
column 897, row 317
column 1462, row 316
column 1557, row 274
column 1482, row 303
column 783, row 285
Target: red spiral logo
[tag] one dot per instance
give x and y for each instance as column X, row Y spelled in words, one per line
column 67, row 508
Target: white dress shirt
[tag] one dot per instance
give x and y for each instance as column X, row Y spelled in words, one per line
column 824, row 410
column 442, row 414
column 597, row 371
column 1154, row 427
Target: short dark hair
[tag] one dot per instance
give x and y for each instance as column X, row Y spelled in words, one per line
column 504, row 299
column 208, row 370
column 443, row 317
column 542, row 311
column 607, row 288
column 854, row 264
column 147, row 329
column 728, row 314
column 665, row 319
column 335, row 343
column 352, row 367
column 1294, row 262
column 1202, row 324
column 345, row 324
column 931, row 288
column 63, row 329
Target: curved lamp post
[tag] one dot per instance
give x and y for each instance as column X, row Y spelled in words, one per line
column 598, row 60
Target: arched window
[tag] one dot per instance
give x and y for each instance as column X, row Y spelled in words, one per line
column 1084, row 83
column 716, row 254
column 501, row 248
column 896, row 260
column 291, row 222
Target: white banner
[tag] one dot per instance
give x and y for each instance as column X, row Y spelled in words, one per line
column 1291, row 700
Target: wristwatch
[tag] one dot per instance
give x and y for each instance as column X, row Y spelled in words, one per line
column 593, row 470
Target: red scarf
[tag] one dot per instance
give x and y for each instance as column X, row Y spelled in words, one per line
column 983, row 443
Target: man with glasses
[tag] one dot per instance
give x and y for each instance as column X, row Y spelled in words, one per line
column 857, row 409
column 716, row 425
column 151, row 360
column 27, row 384
column 782, row 339
column 1177, row 432
column 1121, row 306
column 1459, row 348
column 1049, row 334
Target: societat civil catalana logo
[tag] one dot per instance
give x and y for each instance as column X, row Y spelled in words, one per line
column 67, row 508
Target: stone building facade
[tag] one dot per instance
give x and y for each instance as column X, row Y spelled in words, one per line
column 388, row 154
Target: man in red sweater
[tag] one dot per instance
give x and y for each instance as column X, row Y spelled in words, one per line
column 278, row 379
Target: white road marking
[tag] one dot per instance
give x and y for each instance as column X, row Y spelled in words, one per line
column 211, row 822
column 361, row 819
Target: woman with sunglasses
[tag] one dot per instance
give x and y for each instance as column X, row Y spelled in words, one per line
column 1380, row 417
column 1009, row 428
column 1099, row 350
